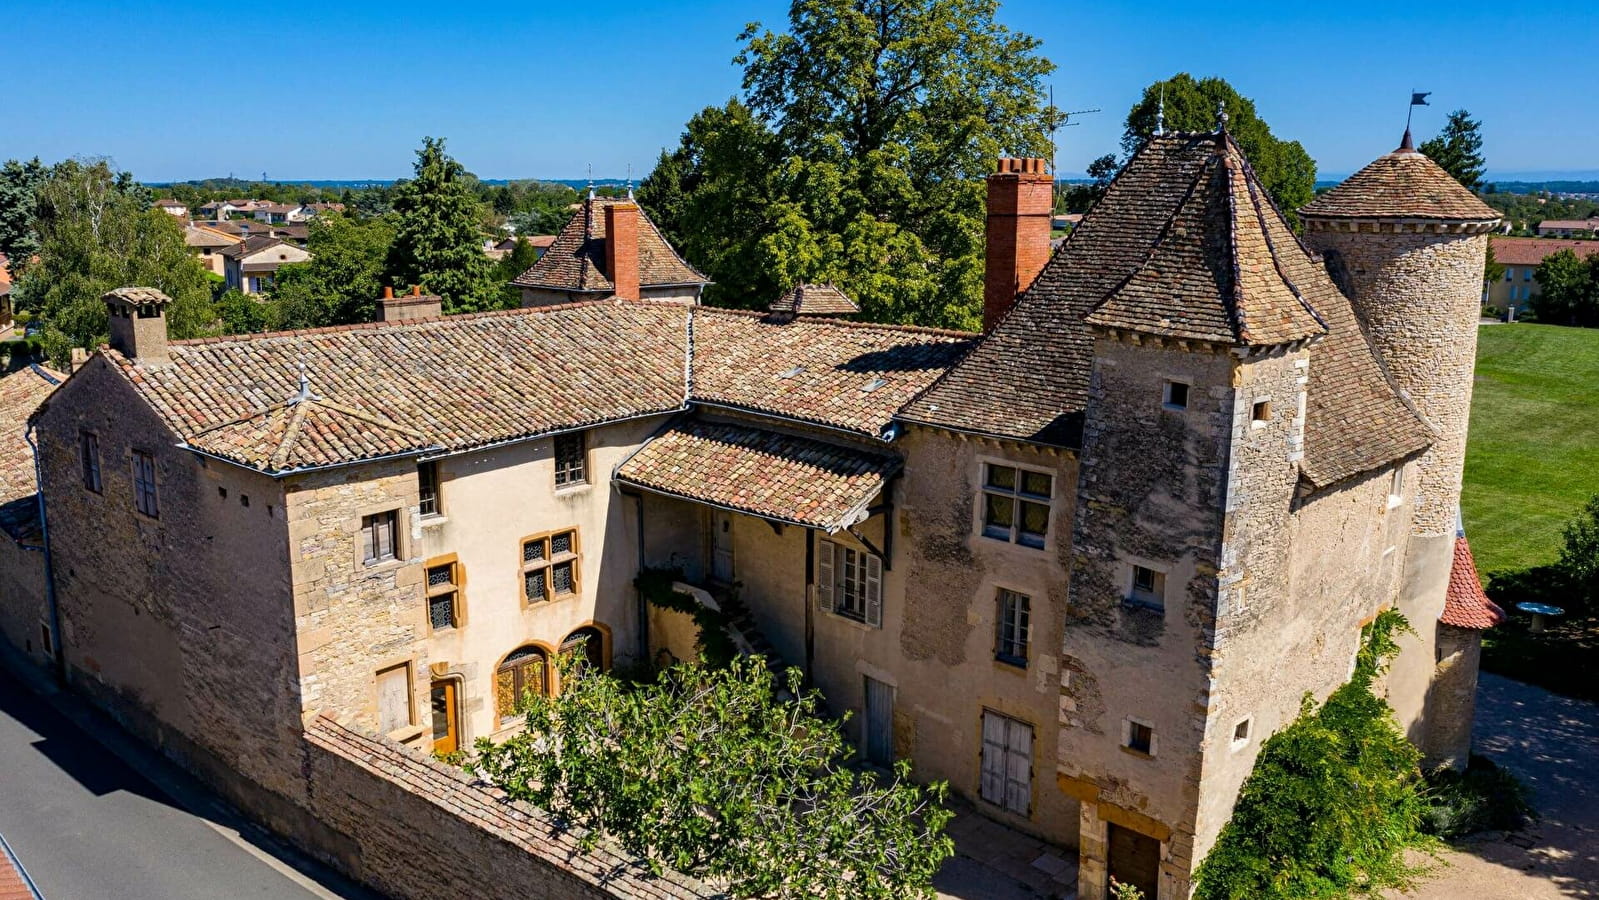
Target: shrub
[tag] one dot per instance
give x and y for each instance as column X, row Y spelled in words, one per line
column 1333, row 802
column 1482, row 798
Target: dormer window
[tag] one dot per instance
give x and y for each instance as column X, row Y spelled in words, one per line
column 1175, row 395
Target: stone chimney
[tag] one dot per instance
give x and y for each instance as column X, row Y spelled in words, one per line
column 1021, row 197
column 415, row 305
column 138, row 323
column 621, row 248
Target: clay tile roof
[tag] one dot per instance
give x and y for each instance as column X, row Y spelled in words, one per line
column 456, row 382
column 1512, row 251
column 575, row 261
column 21, row 393
column 1028, row 379
column 251, row 245
column 1214, row 274
column 779, row 476
column 1403, row 184
column 137, row 296
column 814, row 300
column 200, row 236
column 844, row 375
column 1466, row 605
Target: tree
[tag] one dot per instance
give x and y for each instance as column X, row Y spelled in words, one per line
column 1492, row 269
column 1458, row 149
column 855, row 155
column 1568, row 290
column 341, row 282
column 438, row 240
column 710, row 772
column 1579, row 556
column 18, row 182
column 1284, row 168
column 97, row 232
column 517, row 260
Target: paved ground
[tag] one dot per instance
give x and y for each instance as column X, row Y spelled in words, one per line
column 87, row 826
column 993, row 862
column 1552, row 742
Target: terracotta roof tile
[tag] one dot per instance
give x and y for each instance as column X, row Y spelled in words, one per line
column 21, row 392
column 1511, row 251
column 308, row 433
column 845, row 375
column 1214, row 274
column 575, row 260
column 795, row 479
column 1466, row 605
column 1403, row 184
column 814, row 300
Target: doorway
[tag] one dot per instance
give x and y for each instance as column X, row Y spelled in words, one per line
column 446, row 717
column 879, row 728
column 1134, row 859
column 721, row 546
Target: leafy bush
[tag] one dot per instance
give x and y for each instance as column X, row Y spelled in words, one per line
column 706, row 771
column 1333, row 801
column 713, row 643
column 1482, row 798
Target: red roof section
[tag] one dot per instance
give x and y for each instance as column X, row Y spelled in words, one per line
column 1509, row 251
column 1467, row 605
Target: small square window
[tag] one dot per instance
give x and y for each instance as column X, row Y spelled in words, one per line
column 1140, row 737
column 379, row 536
column 1148, row 588
column 1262, row 411
column 1241, row 731
column 1176, row 395
column 571, row 458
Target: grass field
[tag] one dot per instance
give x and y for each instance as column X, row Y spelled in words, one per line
column 1533, row 455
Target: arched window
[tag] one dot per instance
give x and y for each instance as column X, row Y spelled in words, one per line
column 524, row 672
column 590, row 643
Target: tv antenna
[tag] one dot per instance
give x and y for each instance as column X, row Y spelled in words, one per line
column 1064, row 122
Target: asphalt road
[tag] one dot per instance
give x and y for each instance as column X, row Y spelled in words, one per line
column 87, row 826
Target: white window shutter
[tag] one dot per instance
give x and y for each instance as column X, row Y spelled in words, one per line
column 874, row 591
column 993, row 777
column 1019, row 774
column 824, row 575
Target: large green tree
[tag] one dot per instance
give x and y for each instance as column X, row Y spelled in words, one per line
column 517, row 260
column 342, row 280
column 1458, row 149
column 438, row 242
column 1284, row 168
column 1568, row 290
column 97, row 232
column 856, row 156
column 713, row 772
column 18, row 182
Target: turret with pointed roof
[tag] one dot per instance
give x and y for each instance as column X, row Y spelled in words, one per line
column 579, row 264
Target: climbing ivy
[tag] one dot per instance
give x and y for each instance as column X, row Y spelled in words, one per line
column 1334, row 800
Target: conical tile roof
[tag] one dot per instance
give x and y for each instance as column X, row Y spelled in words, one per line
column 1404, row 184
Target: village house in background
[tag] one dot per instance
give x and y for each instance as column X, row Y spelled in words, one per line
column 498, row 250
column 1569, row 228
column 1080, row 565
column 252, row 264
column 173, row 208
column 1513, row 291
column 208, row 243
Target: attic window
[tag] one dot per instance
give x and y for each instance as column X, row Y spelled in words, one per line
column 792, row 372
column 1175, row 395
column 874, row 384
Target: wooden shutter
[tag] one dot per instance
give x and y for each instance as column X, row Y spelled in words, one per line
column 992, row 784
column 1019, row 767
column 394, row 698
column 824, row 575
column 874, row 591
column 385, row 534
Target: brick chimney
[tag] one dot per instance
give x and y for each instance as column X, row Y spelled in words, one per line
column 415, row 305
column 621, row 248
column 1021, row 197
column 138, row 323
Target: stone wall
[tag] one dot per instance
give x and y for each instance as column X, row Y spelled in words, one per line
column 418, row 830
column 1452, row 698
column 23, row 611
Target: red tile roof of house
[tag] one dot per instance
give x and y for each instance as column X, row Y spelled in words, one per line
column 1466, row 605
column 766, row 473
column 575, row 260
column 1513, row 251
column 1403, row 184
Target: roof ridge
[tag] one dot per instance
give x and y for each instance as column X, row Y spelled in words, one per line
column 1271, row 244
column 1235, row 306
column 291, row 436
column 401, row 323
column 843, row 323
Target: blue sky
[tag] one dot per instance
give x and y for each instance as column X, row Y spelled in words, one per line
column 347, row 90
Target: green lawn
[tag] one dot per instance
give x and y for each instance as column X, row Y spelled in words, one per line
column 1533, row 456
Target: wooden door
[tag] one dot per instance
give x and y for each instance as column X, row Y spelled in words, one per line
column 721, row 547
column 1134, row 859
column 446, row 718
column 1007, row 773
column 879, row 737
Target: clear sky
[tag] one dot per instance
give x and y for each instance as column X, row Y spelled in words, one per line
column 346, row 90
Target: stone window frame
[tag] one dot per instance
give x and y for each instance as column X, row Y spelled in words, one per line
column 1128, row 724
column 1002, row 641
column 1146, row 598
column 456, row 585
column 1260, row 411
column 1247, row 723
column 546, row 678
column 548, row 561
column 572, row 474
column 1167, row 393
column 146, row 483
column 404, row 666
column 397, row 545
column 89, row 461
column 603, row 648
column 980, row 524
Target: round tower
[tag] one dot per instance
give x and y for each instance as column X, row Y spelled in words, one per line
column 1407, row 244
